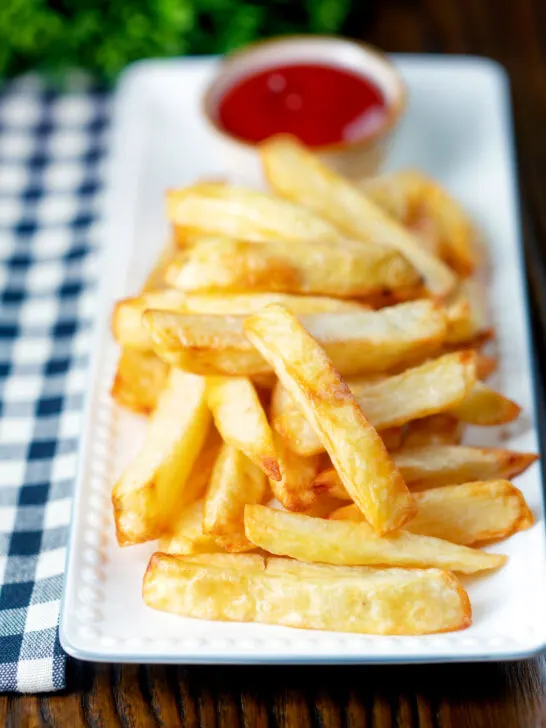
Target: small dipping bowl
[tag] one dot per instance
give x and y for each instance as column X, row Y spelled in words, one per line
column 354, row 158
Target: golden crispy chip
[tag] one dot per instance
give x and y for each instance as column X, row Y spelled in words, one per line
column 284, row 592
column 298, row 175
column 483, row 406
column 129, row 330
column 243, row 213
column 355, row 448
column 434, row 430
column 433, row 466
column 467, row 317
column 235, row 482
column 469, row 514
column 418, row 202
column 139, row 380
column 349, row 543
column 152, row 485
column 346, row 269
column 242, row 422
column 294, row 489
column 432, row 387
column 156, row 279
column 187, row 536
column 357, row 342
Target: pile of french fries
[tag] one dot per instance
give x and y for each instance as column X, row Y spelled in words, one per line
column 308, row 359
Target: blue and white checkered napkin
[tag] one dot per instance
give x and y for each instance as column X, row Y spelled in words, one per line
column 52, row 149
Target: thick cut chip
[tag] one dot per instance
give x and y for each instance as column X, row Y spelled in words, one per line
column 129, row 330
column 139, row 380
column 483, row 406
column 308, row 596
column 430, row 388
column 152, row 486
column 348, row 543
column 242, row 422
column 186, row 536
column 298, row 175
column 353, row 445
column 235, row 482
column 294, row 489
column 467, row 318
column 434, row 430
column 242, row 213
column 347, row 269
column 420, row 203
column 469, row 514
column 433, row 466
column 156, row 279
column 359, row 342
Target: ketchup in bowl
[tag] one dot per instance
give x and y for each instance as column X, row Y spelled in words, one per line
column 320, row 104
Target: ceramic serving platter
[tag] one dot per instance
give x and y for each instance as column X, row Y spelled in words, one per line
column 458, row 129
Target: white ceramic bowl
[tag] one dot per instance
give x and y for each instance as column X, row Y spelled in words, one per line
column 354, row 158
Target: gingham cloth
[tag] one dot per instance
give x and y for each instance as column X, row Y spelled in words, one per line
column 52, row 147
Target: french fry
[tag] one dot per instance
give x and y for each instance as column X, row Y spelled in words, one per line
column 130, row 332
column 348, row 543
column 467, row 318
column 297, row 175
column 346, row 269
column 482, row 406
column 235, row 482
column 187, row 536
column 236, row 212
column 242, row 422
column 433, row 466
column 139, row 380
column 417, row 201
column 432, row 387
column 294, row 489
column 357, row 342
column 355, row 448
column 469, row 514
column 156, row 278
column 152, row 485
column 440, row 429
column 307, row 596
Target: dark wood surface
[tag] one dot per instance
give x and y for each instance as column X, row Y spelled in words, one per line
column 505, row 695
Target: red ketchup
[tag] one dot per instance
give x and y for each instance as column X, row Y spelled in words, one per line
column 319, row 104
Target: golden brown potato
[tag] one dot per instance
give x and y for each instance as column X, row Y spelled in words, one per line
column 236, row 212
column 345, row 269
column 241, row 420
column 296, row 174
column 357, row 342
column 309, row 596
column 152, row 485
column 348, row 543
column 294, row 489
column 440, row 429
column 433, row 387
column 468, row 514
column 234, row 483
column 186, row 535
column 353, row 445
column 483, row 406
column 139, row 380
column 433, row 466
column 130, row 332
column 419, row 203
column 467, row 317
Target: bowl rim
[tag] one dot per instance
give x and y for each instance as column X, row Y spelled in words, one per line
column 395, row 107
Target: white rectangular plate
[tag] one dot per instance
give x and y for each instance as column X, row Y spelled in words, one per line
column 457, row 129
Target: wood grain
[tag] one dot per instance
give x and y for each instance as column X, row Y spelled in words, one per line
column 511, row 695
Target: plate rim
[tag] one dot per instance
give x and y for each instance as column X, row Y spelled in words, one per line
column 101, row 324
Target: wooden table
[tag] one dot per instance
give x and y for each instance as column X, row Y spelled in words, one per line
column 451, row 696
